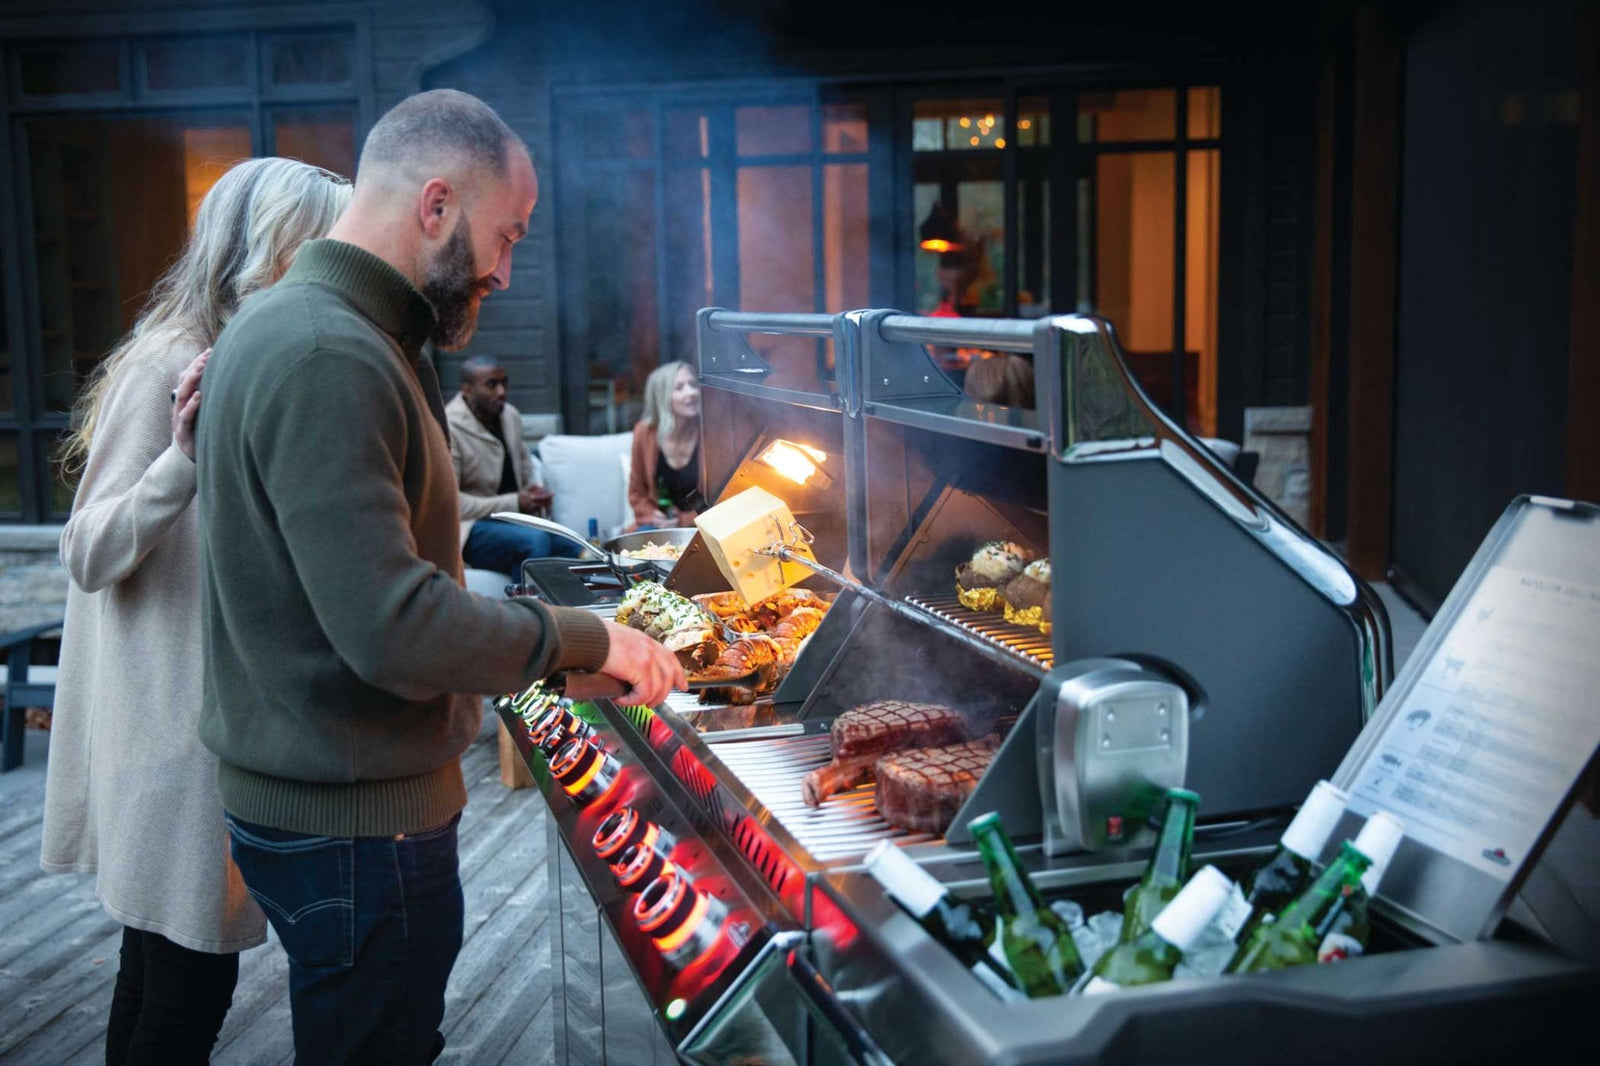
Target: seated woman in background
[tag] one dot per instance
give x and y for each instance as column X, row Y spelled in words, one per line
column 664, row 479
column 1000, row 377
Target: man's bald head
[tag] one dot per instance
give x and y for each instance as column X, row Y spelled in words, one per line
column 443, row 193
column 442, row 125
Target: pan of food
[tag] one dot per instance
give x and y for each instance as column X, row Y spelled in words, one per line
column 647, row 554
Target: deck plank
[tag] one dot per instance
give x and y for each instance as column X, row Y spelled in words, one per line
column 58, row 949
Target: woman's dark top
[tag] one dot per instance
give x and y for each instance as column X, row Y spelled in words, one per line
column 681, row 488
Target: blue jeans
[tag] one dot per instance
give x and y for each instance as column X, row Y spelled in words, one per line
column 497, row 545
column 372, row 926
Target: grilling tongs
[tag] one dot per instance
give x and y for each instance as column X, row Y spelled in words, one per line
column 604, row 687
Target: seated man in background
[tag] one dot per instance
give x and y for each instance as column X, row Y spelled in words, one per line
column 494, row 472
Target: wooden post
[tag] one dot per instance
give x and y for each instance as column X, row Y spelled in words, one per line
column 514, row 772
column 1374, row 222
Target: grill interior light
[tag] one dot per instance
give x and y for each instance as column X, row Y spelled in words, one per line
column 797, row 462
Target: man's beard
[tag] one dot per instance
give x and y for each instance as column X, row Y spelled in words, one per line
column 450, row 285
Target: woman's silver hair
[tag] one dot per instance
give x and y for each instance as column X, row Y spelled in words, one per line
column 246, row 233
column 658, row 397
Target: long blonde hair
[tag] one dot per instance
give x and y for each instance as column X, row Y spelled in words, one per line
column 658, row 397
column 245, row 234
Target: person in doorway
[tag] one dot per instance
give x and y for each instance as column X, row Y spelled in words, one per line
column 494, row 473
column 1000, row 378
column 130, row 793
column 664, row 473
column 339, row 644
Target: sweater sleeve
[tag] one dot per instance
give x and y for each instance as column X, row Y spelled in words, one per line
column 136, row 484
column 337, row 486
column 641, row 494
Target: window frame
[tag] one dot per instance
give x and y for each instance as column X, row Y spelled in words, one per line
column 37, row 429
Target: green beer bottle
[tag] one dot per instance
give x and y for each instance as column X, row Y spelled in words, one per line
column 1292, row 939
column 949, row 920
column 1273, row 886
column 1036, row 941
column 1167, row 869
column 1154, row 954
column 1346, row 932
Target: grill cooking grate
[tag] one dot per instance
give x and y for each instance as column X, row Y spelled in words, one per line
column 991, row 627
column 844, row 827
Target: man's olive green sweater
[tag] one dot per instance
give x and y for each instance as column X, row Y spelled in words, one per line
column 335, row 630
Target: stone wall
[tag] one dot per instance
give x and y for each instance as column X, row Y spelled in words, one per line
column 33, row 583
column 1281, row 436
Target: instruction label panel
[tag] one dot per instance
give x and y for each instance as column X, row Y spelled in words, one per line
column 1498, row 726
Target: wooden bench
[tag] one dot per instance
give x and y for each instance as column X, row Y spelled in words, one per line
column 27, row 686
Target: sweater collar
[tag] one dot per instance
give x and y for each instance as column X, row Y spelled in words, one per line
column 374, row 286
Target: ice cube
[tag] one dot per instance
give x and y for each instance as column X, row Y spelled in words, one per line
column 1068, row 912
column 1204, row 960
column 1212, row 936
column 1096, row 935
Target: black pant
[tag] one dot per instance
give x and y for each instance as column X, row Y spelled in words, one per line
column 169, row 1001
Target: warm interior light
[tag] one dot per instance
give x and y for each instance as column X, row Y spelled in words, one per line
column 797, row 462
column 938, row 246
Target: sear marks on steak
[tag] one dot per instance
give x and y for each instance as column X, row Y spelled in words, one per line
column 891, row 725
column 922, row 789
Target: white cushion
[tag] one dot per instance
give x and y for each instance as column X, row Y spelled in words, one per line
column 491, row 583
column 627, row 475
column 585, row 476
column 1226, row 450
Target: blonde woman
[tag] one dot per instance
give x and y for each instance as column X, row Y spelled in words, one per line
column 664, row 478
column 131, row 794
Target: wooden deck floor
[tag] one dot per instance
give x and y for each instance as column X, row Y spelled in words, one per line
column 58, row 949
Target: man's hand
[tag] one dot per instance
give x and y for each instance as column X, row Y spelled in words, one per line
column 646, row 666
column 186, row 404
column 534, row 499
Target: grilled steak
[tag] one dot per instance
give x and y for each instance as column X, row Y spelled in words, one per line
column 838, row 776
column 922, row 789
column 890, row 725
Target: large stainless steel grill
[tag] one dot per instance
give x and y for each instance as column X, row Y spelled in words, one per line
column 1159, row 555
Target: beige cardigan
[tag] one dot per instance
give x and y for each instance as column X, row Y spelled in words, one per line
column 478, row 458
column 130, row 792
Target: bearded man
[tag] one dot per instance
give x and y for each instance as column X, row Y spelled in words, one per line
column 338, row 642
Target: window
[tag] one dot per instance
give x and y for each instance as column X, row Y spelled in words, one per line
column 119, row 140
column 325, row 137
column 309, row 60
column 188, row 64
column 674, row 204
column 1150, row 215
column 112, row 203
column 69, row 68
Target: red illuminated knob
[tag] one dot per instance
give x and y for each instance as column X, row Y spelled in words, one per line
column 680, row 920
column 556, row 726
column 638, row 865
column 620, row 828
column 584, row 770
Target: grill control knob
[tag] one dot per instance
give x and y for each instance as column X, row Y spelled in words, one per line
column 623, row 827
column 556, row 726
column 584, row 770
column 639, row 865
column 680, row 920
